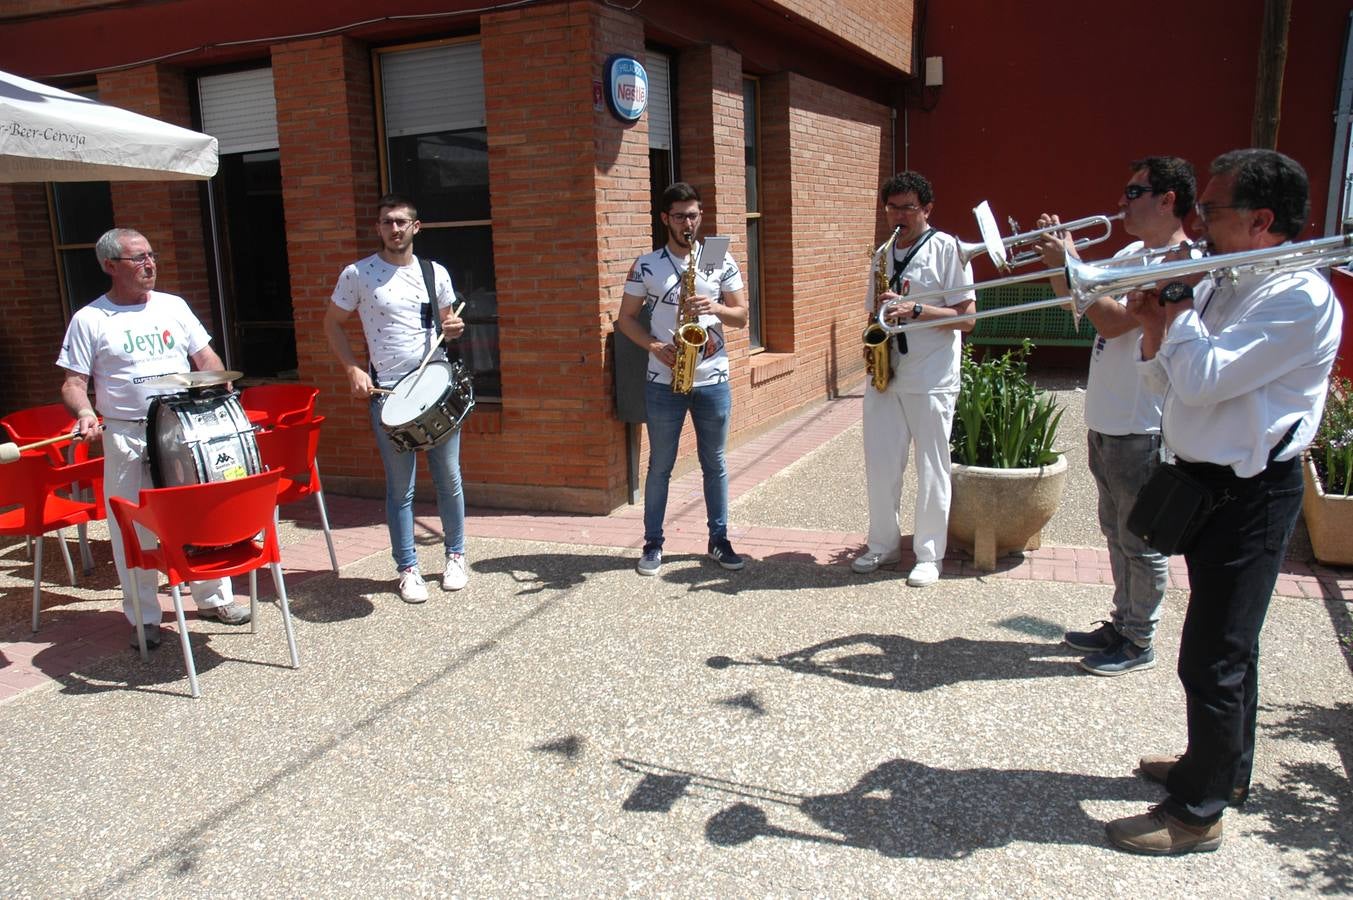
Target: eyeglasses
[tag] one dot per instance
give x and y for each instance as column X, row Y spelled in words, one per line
column 904, row 208
column 684, row 217
column 139, row 259
column 1205, row 210
column 397, row 223
column 1133, row 191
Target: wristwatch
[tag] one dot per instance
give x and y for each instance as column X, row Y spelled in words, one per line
column 1176, row 292
column 916, row 310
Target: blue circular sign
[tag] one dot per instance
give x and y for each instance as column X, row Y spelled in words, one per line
column 626, row 87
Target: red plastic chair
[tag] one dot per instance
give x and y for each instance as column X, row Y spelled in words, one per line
column 270, row 405
column 30, row 485
column 220, row 521
column 291, row 450
column 38, row 423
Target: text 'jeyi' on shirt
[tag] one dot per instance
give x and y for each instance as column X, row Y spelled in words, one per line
column 389, row 300
column 656, row 277
column 120, row 347
column 931, row 361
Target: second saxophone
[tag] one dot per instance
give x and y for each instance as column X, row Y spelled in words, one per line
column 877, row 341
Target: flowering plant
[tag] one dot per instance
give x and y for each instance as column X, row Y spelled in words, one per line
column 1332, row 449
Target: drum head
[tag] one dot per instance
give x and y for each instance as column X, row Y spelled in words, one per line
column 415, row 393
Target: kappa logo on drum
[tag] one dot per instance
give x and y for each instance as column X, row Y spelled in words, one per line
column 224, row 459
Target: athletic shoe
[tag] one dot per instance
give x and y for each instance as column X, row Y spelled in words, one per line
column 456, row 576
column 412, row 587
column 1157, row 833
column 227, row 614
column 1121, row 659
column 651, row 561
column 924, row 574
column 722, row 553
column 869, row 561
column 1097, row 641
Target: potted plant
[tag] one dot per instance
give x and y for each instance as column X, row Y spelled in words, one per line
column 1007, row 478
column 1328, row 469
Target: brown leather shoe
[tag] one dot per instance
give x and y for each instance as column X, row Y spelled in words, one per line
column 1157, row 833
column 1157, row 768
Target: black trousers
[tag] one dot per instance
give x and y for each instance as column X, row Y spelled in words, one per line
column 1232, row 571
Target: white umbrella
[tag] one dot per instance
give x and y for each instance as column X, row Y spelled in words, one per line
column 51, row 135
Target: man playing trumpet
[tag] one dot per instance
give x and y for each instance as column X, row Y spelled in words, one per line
column 1122, row 413
column 917, row 406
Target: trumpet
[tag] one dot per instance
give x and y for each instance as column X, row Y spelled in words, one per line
column 1087, row 282
column 1018, row 250
column 1142, row 257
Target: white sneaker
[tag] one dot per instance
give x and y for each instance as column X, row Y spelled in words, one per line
column 923, row 574
column 455, row 577
column 868, row 561
column 412, row 587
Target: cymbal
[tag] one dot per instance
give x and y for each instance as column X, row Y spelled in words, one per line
column 192, row 379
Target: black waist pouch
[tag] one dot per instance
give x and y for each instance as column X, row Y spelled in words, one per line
column 1170, row 511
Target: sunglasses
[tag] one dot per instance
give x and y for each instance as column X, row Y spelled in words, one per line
column 1133, row 191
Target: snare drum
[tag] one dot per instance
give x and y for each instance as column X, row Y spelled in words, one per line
column 199, row 436
column 426, row 408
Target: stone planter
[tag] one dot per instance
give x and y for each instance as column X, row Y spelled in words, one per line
column 995, row 511
column 1329, row 519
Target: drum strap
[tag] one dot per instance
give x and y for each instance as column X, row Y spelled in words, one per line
column 431, row 321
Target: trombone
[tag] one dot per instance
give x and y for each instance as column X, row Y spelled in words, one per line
column 1018, row 250
column 1087, row 282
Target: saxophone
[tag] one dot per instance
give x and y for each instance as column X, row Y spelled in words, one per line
column 877, row 342
column 690, row 334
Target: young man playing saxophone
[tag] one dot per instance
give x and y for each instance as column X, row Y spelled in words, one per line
column 917, row 406
column 654, row 284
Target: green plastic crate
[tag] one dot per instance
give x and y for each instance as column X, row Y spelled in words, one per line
column 1052, row 326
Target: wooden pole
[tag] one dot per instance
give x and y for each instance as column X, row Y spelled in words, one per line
column 1268, row 92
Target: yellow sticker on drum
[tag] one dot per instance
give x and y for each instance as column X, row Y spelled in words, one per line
column 234, row 472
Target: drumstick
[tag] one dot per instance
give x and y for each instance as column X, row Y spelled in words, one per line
column 11, row 451
column 376, row 390
column 441, row 336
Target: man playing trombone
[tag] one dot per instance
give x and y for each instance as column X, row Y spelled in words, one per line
column 1122, row 413
column 917, row 405
column 1244, row 364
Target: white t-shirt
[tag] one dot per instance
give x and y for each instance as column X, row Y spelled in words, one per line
column 656, row 277
column 120, row 347
column 1118, row 401
column 389, row 300
column 931, row 361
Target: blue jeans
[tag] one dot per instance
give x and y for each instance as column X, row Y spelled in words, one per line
column 401, row 475
column 1121, row 465
column 709, row 406
column 1233, row 568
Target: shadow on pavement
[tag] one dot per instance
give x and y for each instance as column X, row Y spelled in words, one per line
column 905, row 664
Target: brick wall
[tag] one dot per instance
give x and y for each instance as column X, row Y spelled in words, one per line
column 30, row 305
column 168, row 213
column 881, row 28
column 326, row 132
column 569, row 195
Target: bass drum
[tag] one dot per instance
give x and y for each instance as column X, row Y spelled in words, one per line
column 198, row 437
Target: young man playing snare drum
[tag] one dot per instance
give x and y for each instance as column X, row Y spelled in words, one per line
column 389, row 294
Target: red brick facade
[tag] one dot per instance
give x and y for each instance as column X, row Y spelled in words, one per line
column 571, row 208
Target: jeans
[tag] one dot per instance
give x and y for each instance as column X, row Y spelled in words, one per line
column 710, row 407
column 401, row 475
column 1121, row 464
column 1232, row 571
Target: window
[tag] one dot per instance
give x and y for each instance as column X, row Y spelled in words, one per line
column 751, row 118
column 257, row 328
column 80, row 211
column 661, row 171
column 435, row 148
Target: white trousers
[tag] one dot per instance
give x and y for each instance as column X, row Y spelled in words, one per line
column 893, row 423
column 126, row 470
